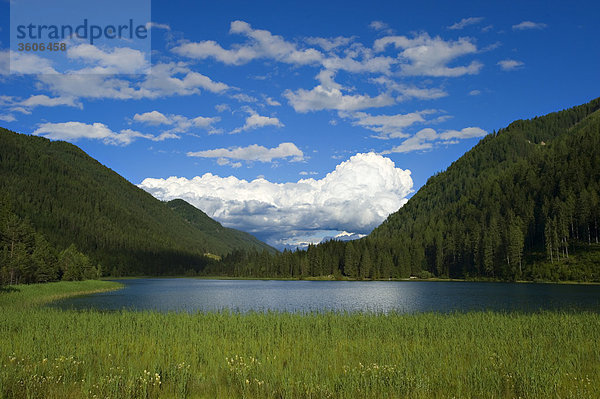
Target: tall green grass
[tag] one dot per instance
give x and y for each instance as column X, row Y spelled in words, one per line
column 51, row 353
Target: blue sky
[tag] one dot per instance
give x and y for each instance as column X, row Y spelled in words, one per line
column 296, row 121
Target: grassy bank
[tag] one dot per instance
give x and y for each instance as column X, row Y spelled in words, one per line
column 22, row 296
column 49, row 353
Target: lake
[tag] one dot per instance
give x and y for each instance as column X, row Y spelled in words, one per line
column 192, row 295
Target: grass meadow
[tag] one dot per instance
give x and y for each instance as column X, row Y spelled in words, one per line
column 52, row 353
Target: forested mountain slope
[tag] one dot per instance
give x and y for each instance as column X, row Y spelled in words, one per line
column 71, row 198
column 231, row 237
column 526, row 193
column 522, row 204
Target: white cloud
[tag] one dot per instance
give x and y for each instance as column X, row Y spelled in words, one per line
column 465, row 22
column 328, row 95
column 253, row 152
column 180, row 123
column 4, row 62
column 466, row 133
column 525, row 25
column 381, row 27
column 119, row 60
column 378, row 25
column 178, row 79
column 244, row 98
column 222, row 107
column 509, row 65
column 152, row 118
column 7, row 118
column 73, row 131
column 155, row 25
column 425, row 139
column 225, row 161
column 27, row 63
column 165, row 79
column 271, row 102
column 255, row 121
column 356, row 197
column 475, row 92
column 427, row 56
column 387, row 126
column 406, row 92
column 45, row 101
column 261, row 44
column 367, row 63
column 329, row 44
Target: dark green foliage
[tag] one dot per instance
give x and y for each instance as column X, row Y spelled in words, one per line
column 513, row 196
column 72, row 199
column 522, row 204
column 223, row 239
column 25, row 256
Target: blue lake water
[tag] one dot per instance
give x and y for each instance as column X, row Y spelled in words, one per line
column 192, row 295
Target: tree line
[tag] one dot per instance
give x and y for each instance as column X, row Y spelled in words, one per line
column 27, row 257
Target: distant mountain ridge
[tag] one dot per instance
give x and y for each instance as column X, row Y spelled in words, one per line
column 72, row 198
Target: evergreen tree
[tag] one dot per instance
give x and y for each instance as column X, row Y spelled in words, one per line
column 350, row 261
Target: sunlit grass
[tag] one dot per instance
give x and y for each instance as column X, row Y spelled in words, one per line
column 51, row 353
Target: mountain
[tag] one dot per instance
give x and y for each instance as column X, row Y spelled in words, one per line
column 73, row 199
column 522, row 204
column 517, row 205
column 225, row 238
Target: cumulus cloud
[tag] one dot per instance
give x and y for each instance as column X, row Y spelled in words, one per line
column 271, row 102
column 152, row 118
column 388, row 126
column 465, row 22
column 329, row 44
column 73, row 131
column 509, row 65
column 253, row 152
column 165, row 79
column 356, row 197
column 329, row 95
column 405, row 92
column 261, row 44
column 117, row 60
column 525, row 25
column 222, row 107
column 429, row 56
column 27, row 63
column 7, row 118
column 425, row 139
column 244, row 98
column 255, row 121
column 44, row 100
column 179, row 123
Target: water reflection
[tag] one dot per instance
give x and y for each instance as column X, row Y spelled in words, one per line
column 193, row 295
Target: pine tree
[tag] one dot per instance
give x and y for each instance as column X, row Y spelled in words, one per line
column 350, row 261
column 366, row 265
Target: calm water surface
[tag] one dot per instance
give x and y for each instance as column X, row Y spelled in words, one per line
column 193, row 295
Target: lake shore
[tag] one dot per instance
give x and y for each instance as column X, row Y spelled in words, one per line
column 332, row 278
column 52, row 353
